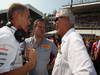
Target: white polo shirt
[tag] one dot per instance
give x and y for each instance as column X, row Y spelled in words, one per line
column 72, row 58
column 8, row 49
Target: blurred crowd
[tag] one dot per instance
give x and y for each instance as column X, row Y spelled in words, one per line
column 93, row 49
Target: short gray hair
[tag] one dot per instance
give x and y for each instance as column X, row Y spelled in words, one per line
column 68, row 13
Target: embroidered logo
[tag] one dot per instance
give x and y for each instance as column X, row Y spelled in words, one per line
column 45, row 46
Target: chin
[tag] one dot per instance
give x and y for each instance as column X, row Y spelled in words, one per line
column 58, row 33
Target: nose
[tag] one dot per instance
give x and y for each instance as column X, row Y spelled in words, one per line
column 56, row 24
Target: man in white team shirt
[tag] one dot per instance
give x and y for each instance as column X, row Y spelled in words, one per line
column 18, row 15
column 72, row 58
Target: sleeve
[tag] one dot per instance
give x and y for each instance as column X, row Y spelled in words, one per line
column 78, row 58
column 28, row 42
column 8, row 50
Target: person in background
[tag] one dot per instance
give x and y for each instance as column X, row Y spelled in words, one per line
column 18, row 15
column 95, row 55
column 72, row 57
column 43, row 47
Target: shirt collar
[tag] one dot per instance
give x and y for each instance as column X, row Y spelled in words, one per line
column 67, row 33
column 13, row 29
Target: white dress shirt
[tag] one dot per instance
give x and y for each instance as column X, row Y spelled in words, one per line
column 72, row 58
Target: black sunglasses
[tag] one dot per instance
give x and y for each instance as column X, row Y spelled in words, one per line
column 57, row 18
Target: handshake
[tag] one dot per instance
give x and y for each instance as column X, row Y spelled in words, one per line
column 30, row 57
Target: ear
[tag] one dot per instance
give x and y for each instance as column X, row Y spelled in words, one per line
column 14, row 17
column 15, row 14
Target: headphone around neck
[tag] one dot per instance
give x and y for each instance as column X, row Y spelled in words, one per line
column 19, row 34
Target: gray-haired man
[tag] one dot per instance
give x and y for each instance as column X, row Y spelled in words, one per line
column 72, row 58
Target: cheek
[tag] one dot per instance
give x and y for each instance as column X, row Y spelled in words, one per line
column 58, row 26
column 25, row 26
column 36, row 30
column 25, row 22
column 43, row 30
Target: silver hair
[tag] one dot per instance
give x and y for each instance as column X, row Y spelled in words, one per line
column 68, row 13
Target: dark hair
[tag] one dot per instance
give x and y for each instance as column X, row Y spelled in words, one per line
column 15, row 7
column 36, row 21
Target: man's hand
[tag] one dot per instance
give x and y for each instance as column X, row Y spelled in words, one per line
column 31, row 55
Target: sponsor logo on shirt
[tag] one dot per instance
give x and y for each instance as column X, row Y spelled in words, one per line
column 45, row 46
column 4, row 49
